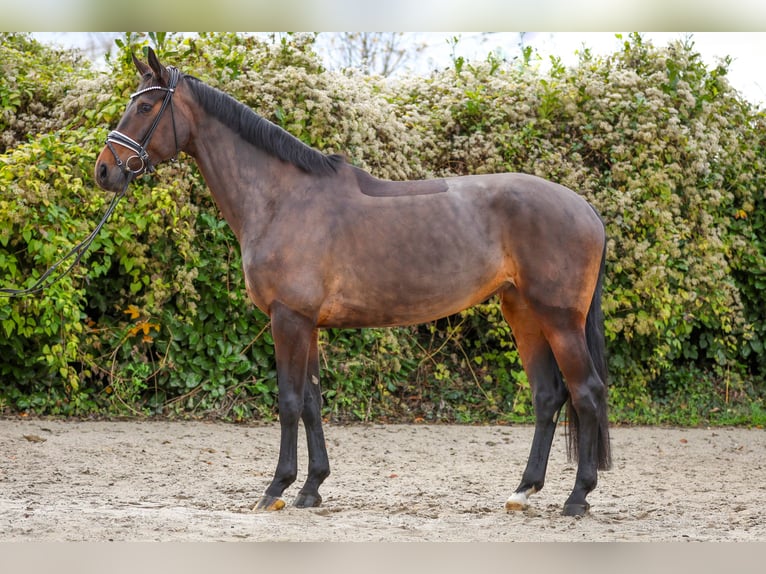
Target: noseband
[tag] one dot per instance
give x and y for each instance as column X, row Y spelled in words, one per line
column 139, row 149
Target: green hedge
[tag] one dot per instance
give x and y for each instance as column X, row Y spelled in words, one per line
column 156, row 321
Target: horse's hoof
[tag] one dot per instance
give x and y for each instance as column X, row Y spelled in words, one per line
column 576, row 509
column 307, row 500
column 269, row 504
column 517, row 501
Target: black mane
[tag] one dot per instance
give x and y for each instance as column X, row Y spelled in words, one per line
column 261, row 132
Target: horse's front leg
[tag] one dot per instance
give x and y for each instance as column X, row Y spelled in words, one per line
column 319, row 465
column 292, row 333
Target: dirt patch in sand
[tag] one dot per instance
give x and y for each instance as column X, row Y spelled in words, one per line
column 138, row 481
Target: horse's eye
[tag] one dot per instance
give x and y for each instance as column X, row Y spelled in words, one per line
column 144, row 108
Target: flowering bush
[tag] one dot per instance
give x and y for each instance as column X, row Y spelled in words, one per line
column 157, row 320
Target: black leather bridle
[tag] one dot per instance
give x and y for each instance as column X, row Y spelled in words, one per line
column 139, row 149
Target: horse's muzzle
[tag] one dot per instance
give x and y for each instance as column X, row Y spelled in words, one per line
column 109, row 177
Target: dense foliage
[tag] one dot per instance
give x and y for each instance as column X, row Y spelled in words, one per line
column 156, row 320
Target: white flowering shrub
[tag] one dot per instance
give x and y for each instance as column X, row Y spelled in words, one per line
column 664, row 148
column 33, row 81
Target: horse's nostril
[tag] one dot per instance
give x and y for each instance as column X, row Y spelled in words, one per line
column 102, row 172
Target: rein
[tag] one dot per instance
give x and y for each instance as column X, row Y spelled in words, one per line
column 78, row 250
column 139, row 149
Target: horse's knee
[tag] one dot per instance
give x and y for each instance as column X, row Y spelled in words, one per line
column 290, row 409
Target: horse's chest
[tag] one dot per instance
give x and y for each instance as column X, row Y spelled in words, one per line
column 288, row 275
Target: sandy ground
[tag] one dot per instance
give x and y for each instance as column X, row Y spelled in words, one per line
column 173, row 481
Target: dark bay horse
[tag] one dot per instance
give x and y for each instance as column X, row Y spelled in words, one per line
column 324, row 244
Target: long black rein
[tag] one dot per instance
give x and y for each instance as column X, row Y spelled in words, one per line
column 78, row 251
column 114, row 137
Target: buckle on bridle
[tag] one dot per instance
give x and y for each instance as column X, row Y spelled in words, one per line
column 139, row 153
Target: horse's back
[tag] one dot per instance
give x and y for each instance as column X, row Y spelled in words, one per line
column 522, row 193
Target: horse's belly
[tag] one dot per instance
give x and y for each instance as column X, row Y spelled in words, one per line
column 407, row 302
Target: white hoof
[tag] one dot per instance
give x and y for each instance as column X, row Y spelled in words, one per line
column 519, row 500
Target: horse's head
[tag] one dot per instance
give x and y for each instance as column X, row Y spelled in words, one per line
column 152, row 130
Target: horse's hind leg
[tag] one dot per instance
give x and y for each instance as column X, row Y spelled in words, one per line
column 588, row 400
column 548, row 391
column 319, row 465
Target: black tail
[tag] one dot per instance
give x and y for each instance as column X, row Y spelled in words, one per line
column 594, row 335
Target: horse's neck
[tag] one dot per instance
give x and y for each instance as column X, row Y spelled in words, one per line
column 236, row 173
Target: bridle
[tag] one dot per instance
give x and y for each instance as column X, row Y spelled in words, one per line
column 139, row 149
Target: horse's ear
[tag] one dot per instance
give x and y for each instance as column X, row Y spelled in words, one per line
column 160, row 72
column 142, row 68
